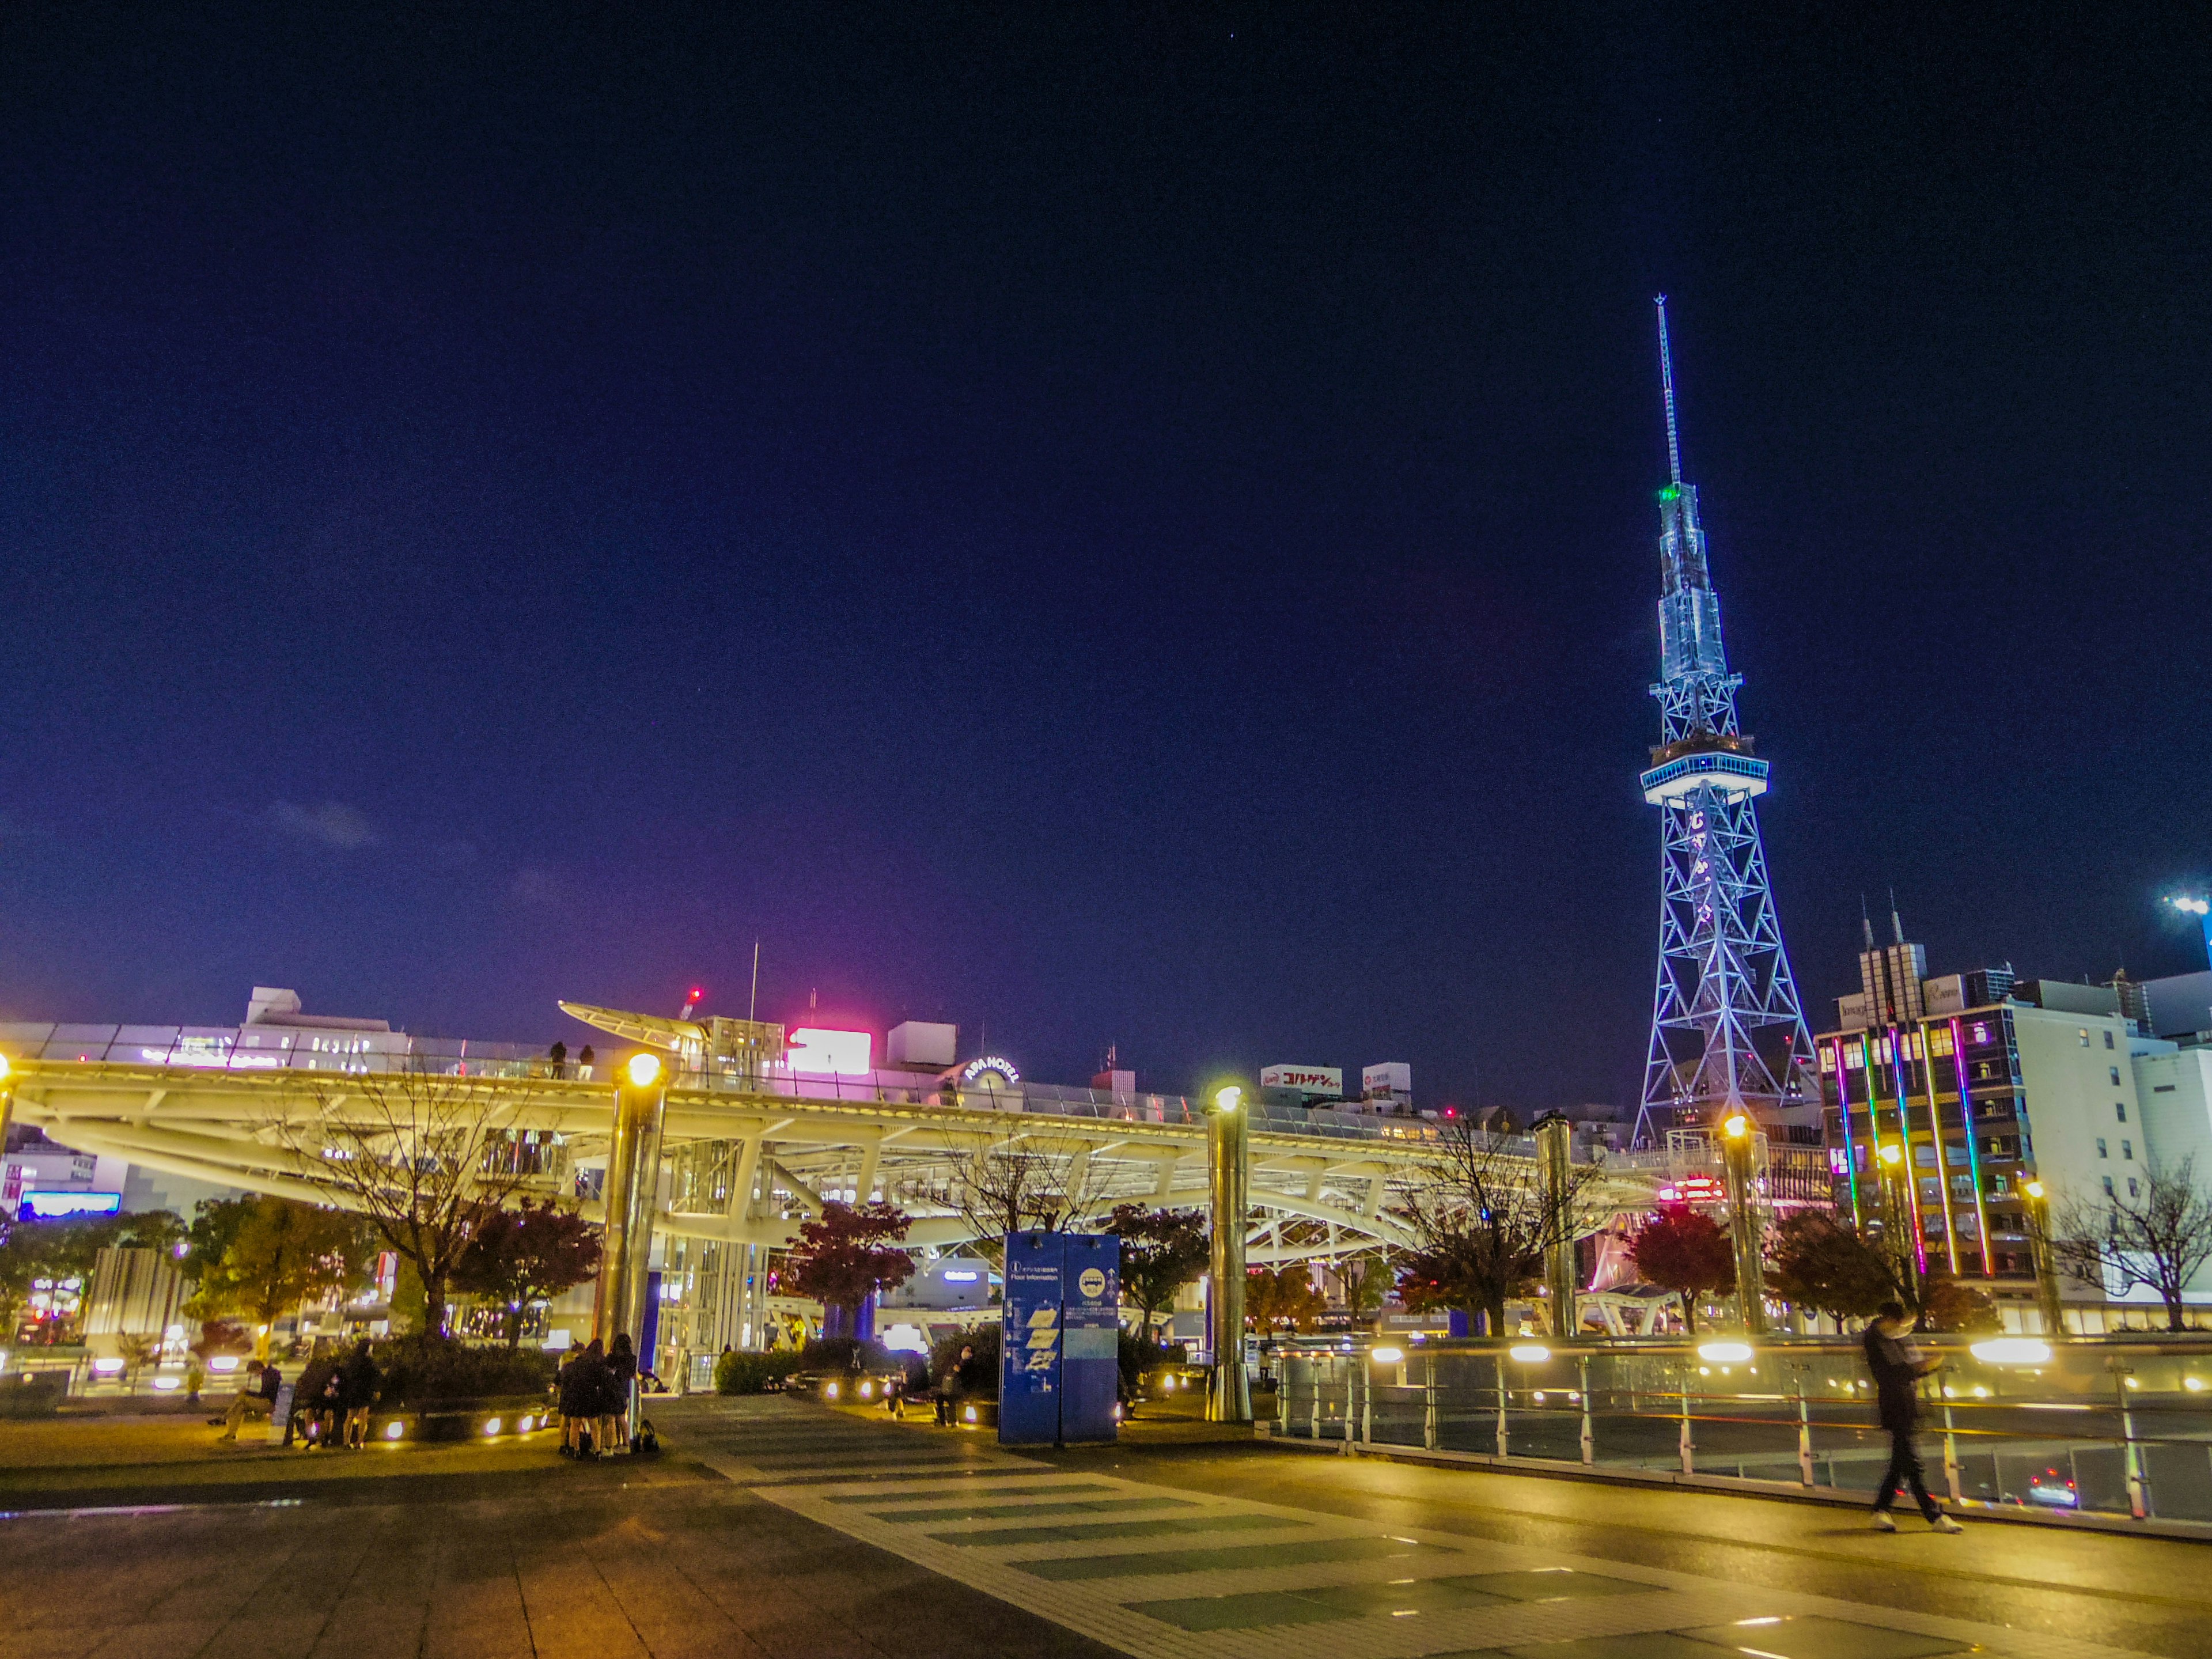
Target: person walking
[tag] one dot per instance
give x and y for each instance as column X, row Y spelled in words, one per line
column 1898, row 1367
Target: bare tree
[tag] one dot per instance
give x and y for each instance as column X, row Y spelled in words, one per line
column 1482, row 1224
column 420, row 1154
column 2155, row 1236
column 1017, row 1183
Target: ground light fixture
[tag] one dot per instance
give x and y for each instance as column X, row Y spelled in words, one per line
column 1724, row 1353
column 492, row 1426
column 1386, row 1356
column 1228, row 1099
column 644, row 1070
column 392, row 1430
column 1529, row 1353
column 2012, row 1350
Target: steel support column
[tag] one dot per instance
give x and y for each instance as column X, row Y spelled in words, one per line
column 1228, row 1158
column 632, row 1193
column 1737, row 1137
column 1554, row 1145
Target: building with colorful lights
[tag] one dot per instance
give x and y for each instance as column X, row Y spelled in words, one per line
column 1983, row 1084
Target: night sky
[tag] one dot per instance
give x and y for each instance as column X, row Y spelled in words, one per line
column 1116, row 523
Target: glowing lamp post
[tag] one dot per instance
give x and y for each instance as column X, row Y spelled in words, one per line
column 1228, row 1143
column 1737, row 1140
column 632, row 1186
column 1897, row 1209
column 2040, row 1252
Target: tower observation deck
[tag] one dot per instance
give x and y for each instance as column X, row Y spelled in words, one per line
column 1726, row 1029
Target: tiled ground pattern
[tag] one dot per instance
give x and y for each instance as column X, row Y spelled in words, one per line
column 1182, row 1575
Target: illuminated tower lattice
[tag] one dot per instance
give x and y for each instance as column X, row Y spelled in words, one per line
column 1726, row 1028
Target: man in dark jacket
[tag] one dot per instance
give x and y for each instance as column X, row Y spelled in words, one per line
column 1897, row 1368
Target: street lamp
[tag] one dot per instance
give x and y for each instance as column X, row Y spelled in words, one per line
column 631, row 1187
column 1737, row 1145
column 1228, row 1141
column 1897, row 1209
column 2040, row 1254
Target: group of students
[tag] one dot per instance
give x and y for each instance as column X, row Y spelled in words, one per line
column 594, row 1387
column 331, row 1408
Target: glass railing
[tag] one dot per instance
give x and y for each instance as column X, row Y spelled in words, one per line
column 2118, row 1428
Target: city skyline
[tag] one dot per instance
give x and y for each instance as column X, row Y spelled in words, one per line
column 1164, row 563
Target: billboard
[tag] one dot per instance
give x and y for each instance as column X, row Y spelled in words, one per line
column 1307, row 1080
column 818, row 1053
column 47, row 1207
column 1393, row 1076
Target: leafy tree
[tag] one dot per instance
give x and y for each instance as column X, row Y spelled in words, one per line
column 1820, row 1262
column 2154, row 1239
column 1482, row 1226
column 1946, row 1305
column 1162, row 1251
column 515, row 1257
column 215, row 1224
column 281, row 1255
column 1687, row 1252
column 848, row 1253
column 1282, row 1297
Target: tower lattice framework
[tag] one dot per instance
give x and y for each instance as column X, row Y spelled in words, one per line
column 1726, row 1029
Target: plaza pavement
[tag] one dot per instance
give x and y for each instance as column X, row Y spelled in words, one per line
column 784, row 1528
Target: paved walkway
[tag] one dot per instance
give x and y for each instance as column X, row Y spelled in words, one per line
column 780, row 1529
column 1192, row 1560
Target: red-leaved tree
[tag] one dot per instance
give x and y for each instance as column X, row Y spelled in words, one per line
column 515, row 1257
column 1687, row 1252
column 848, row 1253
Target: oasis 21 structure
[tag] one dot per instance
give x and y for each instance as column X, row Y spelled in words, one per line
column 1726, row 1032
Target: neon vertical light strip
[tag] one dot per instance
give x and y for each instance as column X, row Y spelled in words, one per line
column 1973, row 1154
column 1851, row 1152
column 1942, row 1151
column 1904, row 1142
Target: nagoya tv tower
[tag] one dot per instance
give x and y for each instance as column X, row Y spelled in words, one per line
column 1726, row 1028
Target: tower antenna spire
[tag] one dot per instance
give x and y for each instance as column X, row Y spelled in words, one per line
column 1667, row 386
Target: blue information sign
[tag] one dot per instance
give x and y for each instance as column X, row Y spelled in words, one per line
column 1029, row 1356
column 1090, row 1327
column 1060, row 1339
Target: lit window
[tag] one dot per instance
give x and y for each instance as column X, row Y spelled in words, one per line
column 2101, row 1153
column 2085, row 1036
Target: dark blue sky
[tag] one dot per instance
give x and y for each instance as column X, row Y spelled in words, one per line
column 1125, row 523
